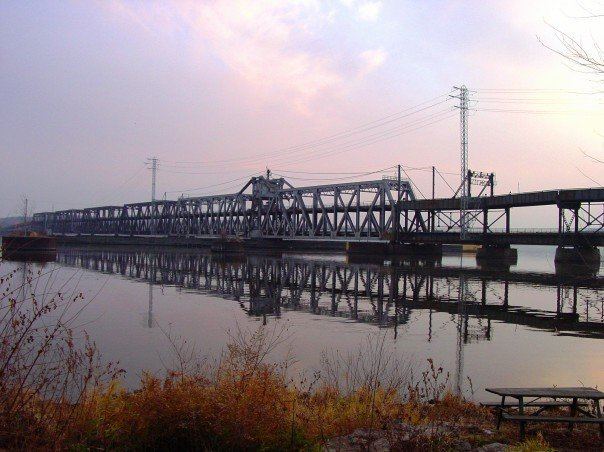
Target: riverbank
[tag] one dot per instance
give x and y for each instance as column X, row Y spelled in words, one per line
column 57, row 393
column 242, row 402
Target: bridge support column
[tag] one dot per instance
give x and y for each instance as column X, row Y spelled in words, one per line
column 578, row 255
column 500, row 253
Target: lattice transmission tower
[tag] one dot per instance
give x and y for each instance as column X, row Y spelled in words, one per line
column 464, row 188
column 153, row 161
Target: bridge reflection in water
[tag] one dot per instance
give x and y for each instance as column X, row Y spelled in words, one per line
column 384, row 295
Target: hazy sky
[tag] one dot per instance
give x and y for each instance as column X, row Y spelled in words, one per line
column 89, row 90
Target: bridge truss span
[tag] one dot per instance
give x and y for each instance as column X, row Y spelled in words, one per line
column 274, row 208
column 384, row 209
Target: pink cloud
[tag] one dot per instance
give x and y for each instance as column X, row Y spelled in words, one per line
column 369, row 11
column 371, row 60
column 269, row 44
column 258, row 41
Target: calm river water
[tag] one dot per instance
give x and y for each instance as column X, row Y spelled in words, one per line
column 528, row 325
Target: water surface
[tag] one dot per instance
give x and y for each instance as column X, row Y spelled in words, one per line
column 527, row 325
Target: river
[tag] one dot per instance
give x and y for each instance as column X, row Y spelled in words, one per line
column 524, row 325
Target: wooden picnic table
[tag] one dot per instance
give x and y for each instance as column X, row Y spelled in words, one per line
column 535, row 398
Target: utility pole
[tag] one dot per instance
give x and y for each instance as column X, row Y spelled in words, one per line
column 153, row 161
column 150, row 307
column 462, row 324
column 25, row 217
column 398, row 204
column 153, row 177
column 433, row 181
column 463, row 116
column 463, row 224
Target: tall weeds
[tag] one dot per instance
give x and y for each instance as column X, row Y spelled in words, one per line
column 55, row 392
column 45, row 378
column 244, row 401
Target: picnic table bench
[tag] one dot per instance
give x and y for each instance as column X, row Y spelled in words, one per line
column 577, row 399
column 536, row 404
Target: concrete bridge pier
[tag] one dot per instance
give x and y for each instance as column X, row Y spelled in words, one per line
column 578, row 255
column 498, row 253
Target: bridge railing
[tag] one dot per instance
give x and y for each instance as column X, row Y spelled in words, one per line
column 512, row 230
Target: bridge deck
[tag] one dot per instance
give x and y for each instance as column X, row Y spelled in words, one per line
column 528, row 199
column 353, row 211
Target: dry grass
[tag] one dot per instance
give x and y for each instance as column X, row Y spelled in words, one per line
column 45, row 379
column 57, row 395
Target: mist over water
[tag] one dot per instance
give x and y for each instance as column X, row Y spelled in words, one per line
column 527, row 325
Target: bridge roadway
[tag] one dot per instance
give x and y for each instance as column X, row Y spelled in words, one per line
column 508, row 238
column 368, row 292
column 353, row 211
column 567, row 197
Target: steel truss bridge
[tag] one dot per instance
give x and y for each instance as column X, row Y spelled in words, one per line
column 369, row 293
column 385, row 209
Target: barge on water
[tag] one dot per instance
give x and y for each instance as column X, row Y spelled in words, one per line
column 29, row 247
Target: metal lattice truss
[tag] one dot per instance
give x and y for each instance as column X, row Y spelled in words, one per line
column 352, row 211
column 477, row 219
column 273, row 209
column 577, row 217
column 470, row 211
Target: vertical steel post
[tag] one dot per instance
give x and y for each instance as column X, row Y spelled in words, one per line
column 153, row 177
column 463, row 188
column 461, row 317
column 397, row 211
column 153, row 185
column 150, row 307
column 432, row 213
column 25, row 217
column 507, row 220
column 492, row 183
column 463, row 115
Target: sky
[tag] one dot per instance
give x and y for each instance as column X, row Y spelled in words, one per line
column 220, row 90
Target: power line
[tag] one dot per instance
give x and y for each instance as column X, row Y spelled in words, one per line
column 540, row 112
column 123, row 184
column 591, row 179
column 445, row 180
column 367, row 143
column 205, row 173
column 213, row 185
column 531, row 102
column 352, row 145
column 491, row 97
column 591, row 156
column 315, row 172
column 356, row 143
column 413, row 183
column 410, row 168
column 334, row 137
column 338, row 178
column 364, row 141
column 539, row 90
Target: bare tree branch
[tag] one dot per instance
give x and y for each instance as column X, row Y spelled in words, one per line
column 588, row 59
